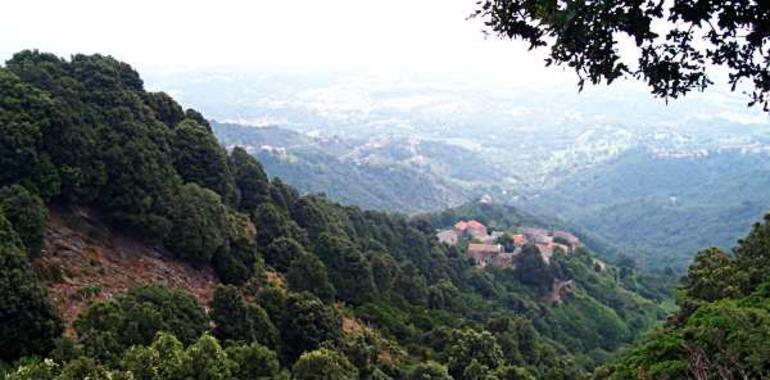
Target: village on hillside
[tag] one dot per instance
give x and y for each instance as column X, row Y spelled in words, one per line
column 498, row 248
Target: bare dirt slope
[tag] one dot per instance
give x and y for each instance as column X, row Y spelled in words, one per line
column 85, row 260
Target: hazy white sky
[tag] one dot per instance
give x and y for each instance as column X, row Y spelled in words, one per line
column 417, row 37
column 152, row 34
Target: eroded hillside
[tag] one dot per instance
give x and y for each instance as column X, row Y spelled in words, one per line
column 85, row 260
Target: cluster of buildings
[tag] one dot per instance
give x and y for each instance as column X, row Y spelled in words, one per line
column 485, row 248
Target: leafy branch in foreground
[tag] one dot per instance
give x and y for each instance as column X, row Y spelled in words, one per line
column 679, row 43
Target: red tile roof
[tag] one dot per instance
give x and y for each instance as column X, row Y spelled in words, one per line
column 461, row 225
column 475, row 225
column 519, row 239
column 478, row 248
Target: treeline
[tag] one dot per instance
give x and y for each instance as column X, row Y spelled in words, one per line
column 310, row 288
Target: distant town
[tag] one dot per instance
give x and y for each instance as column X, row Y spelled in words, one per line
column 499, row 247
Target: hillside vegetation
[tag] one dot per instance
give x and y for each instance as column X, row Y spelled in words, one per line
column 723, row 325
column 348, row 170
column 307, row 288
column 647, row 205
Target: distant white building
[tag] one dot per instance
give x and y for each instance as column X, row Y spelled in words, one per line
column 447, row 236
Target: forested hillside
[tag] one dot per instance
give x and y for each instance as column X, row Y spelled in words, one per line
column 646, row 204
column 307, row 289
column 381, row 176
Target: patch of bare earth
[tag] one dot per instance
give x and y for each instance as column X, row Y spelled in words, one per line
column 560, row 287
column 85, row 260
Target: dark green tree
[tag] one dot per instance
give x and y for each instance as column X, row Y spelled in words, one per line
column 429, row 370
column 237, row 261
column 29, row 324
column 385, row 270
column 712, row 276
column 254, row 361
column 272, row 223
column 165, row 108
column 77, row 166
column 308, row 324
column 474, row 350
column 443, row 295
column 250, row 179
column 25, row 113
column 108, row 328
column 411, row 284
column 199, row 220
column 308, row 274
column 200, row 159
column 206, row 360
column 752, row 255
column 513, row 373
column 27, row 214
column 273, row 300
column 283, row 195
column 240, row 321
column 162, row 360
column 532, row 270
column 350, row 273
column 282, row 252
column 309, row 213
column 197, row 117
column 324, row 364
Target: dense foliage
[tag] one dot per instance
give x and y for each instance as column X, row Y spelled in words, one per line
column 27, row 213
column 723, row 325
column 28, row 322
column 645, row 205
column 107, row 329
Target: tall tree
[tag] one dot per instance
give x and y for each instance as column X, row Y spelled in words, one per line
column 250, row 178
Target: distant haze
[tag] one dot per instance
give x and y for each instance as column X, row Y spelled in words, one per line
column 411, row 35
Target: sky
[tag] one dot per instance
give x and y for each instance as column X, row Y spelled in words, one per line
column 419, row 37
column 304, row 34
